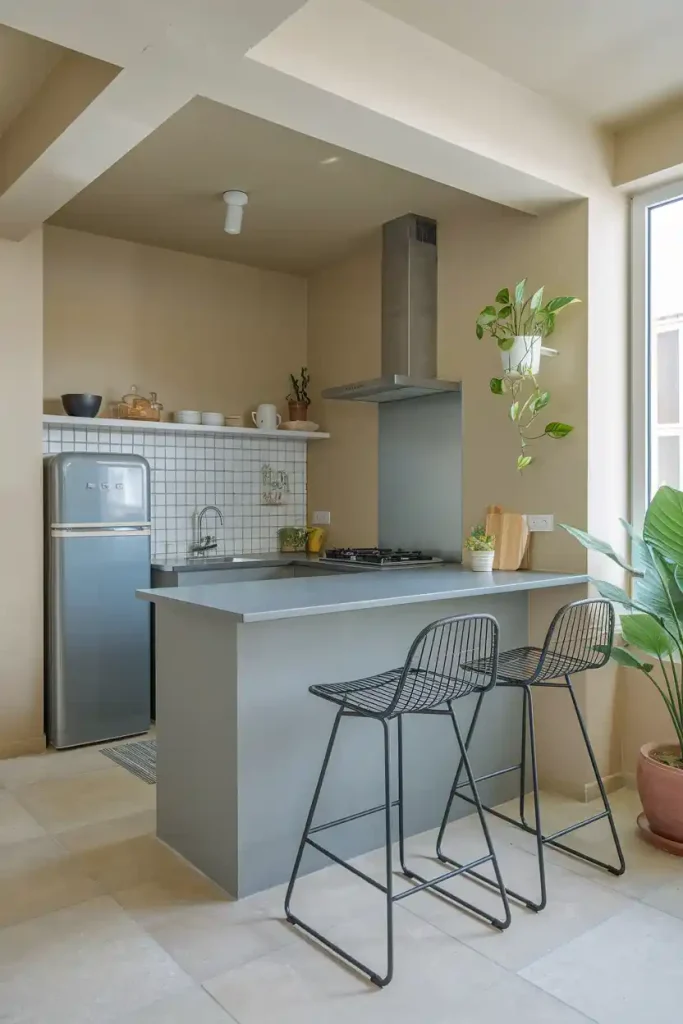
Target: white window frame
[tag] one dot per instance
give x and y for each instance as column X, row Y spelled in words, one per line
column 641, row 391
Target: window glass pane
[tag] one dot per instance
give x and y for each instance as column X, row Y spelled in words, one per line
column 666, row 377
column 665, row 336
column 668, row 461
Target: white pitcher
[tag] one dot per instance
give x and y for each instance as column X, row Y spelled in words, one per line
column 267, row 417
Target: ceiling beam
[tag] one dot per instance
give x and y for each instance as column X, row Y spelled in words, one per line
column 353, row 51
column 649, row 151
column 91, row 112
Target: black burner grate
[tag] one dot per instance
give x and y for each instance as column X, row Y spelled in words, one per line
column 376, row 556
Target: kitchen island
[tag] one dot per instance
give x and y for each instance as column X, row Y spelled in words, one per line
column 240, row 739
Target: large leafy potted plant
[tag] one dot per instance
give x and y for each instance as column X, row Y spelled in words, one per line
column 654, row 627
column 518, row 326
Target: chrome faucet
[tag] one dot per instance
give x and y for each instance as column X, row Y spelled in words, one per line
column 207, row 543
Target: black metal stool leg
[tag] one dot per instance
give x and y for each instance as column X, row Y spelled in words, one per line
column 456, row 781
column 530, row 743
column 311, row 814
column 388, row 855
column 434, row 884
column 606, row 804
column 387, row 889
column 522, row 776
column 484, row 825
column 464, row 868
column 401, row 819
column 528, row 701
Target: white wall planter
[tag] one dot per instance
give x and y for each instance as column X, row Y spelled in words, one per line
column 481, row 561
column 523, row 357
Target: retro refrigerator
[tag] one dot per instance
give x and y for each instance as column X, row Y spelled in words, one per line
column 98, row 539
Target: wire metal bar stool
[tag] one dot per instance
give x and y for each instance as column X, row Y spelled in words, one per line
column 438, row 670
column 579, row 639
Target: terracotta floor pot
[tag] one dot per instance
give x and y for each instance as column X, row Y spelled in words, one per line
column 661, row 792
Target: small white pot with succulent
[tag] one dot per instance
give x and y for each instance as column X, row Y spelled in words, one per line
column 480, row 546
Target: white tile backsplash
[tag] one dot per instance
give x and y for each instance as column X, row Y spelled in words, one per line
column 190, row 471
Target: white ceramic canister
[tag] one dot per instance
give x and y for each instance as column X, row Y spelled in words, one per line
column 266, row 417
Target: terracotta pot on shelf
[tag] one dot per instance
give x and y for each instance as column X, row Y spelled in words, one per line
column 298, row 411
column 660, row 787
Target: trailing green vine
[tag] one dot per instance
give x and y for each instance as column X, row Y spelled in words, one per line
column 524, row 410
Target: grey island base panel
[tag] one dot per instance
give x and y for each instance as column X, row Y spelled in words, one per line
column 241, row 740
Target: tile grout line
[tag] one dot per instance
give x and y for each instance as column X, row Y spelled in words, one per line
column 228, row 1015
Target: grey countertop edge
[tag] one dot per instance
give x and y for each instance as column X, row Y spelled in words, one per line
column 185, row 596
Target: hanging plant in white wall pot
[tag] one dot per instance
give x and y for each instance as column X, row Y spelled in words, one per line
column 518, row 325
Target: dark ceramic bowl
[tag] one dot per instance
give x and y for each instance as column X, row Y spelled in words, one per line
column 82, row 405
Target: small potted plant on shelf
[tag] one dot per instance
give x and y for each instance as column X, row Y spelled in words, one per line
column 518, row 326
column 654, row 628
column 298, row 398
column 481, row 547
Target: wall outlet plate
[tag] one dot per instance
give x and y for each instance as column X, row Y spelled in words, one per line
column 321, row 519
column 541, row 523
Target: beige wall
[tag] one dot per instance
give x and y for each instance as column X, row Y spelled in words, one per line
column 203, row 334
column 577, row 249
column 650, row 151
column 477, row 256
column 343, row 346
column 21, row 507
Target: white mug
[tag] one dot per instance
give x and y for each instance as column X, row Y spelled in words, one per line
column 267, row 417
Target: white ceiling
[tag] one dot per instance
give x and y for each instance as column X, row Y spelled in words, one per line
column 302, row 213
column 25, row 63
column 607, row 59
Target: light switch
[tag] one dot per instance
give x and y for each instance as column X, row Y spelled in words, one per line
column 321, row 518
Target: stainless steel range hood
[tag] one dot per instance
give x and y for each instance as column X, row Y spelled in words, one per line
column 409, row 305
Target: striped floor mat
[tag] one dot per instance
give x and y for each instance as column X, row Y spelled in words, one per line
column 138, row 758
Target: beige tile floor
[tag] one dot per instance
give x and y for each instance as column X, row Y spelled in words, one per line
column 99, row 922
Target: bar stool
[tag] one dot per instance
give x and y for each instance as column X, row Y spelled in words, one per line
column 579, row 639
column 437, row 671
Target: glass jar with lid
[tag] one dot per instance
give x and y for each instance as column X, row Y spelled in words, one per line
column 135, row 406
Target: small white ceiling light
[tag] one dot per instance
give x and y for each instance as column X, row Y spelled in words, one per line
column 330, row 160
column 235, row 201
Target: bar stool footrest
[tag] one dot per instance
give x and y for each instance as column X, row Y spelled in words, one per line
column 433, row 883
column 490, row 883
column 550, row 840
column 350, row 817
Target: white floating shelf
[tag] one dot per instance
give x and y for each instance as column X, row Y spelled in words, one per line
column 172, row 428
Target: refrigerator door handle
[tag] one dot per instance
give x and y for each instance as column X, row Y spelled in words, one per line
column 120, row 532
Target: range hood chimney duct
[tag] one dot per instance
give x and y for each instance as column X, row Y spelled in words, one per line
column 409, row 311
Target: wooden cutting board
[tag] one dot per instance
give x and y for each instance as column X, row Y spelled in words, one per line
column 512, row 538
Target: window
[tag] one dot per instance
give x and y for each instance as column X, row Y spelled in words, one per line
column 657, row 344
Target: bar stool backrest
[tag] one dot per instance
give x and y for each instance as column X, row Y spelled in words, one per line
column 435, row 670
column 575, row 634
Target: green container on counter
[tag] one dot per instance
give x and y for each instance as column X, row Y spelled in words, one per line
column 292, row 538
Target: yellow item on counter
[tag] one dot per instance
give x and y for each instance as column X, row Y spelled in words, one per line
column 316, row 540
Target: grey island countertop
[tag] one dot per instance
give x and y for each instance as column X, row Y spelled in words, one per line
column 293, row 598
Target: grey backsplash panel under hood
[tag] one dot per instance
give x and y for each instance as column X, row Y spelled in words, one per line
column 420, row 474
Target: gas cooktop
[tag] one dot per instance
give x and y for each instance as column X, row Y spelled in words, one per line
column 380, row 558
